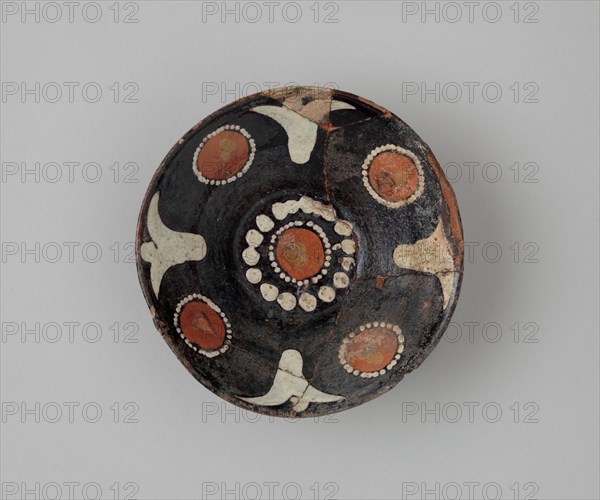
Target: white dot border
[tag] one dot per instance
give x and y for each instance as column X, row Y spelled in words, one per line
column 326, row 250
column 306, row 205
column 244, row 169
column 228, row 332
column 367, row 326
column 405, row 152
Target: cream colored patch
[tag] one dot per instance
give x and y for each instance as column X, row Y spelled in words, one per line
column 264, row 223
column 348, row 246
column 326, row 294
column 290, row 384
column 254, row 238
column 254, row 275
column 343, row 228
column 168, row 248
column 316, row 111
column 301, row 132
column 307, row 205
column 340, row 280
column 307, row 302
column 337, row 105
column 250, row 256
column 313, row 103
column 269, row 292
column 430, row 255
column 287, row 301
column 288, row 93
column 447, row 282
column 347, row 263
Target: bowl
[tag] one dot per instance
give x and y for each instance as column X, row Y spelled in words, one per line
column 300, row 251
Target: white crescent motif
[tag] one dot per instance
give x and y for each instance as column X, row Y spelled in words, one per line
column 290, row 384
column 168, row 248
column 301, row 132
column 430, row 255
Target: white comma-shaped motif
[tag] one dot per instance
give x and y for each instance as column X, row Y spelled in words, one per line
column 290, row 384
column 168, row 248
column 430, row 255
column 301, row 121
column 301, row 132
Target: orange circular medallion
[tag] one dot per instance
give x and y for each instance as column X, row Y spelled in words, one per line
column 393, row 176
column 223, row 155
column 300, row 253
column 202, row 325
column 371, row 350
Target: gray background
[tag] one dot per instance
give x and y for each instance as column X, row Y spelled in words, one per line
column 527, row 365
